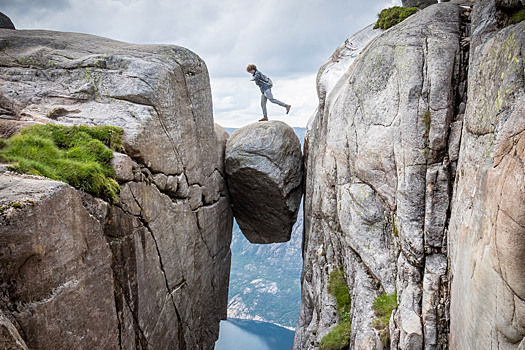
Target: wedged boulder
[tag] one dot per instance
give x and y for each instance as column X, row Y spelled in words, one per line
column 265, row 172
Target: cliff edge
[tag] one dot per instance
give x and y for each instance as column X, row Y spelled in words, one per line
column 150, row 271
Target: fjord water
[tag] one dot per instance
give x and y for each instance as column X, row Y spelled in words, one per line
column 238, row 334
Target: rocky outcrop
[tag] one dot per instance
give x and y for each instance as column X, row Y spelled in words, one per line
column 378, row 175
column 55, row 267
column 264, row 166
column 414, row 184
column 487, row 235
column 151, row 271
column 5, row 22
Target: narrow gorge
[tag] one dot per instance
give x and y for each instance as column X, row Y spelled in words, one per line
column 412, row 176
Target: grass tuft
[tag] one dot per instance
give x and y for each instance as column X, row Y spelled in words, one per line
column 383, row 307
column 77, row 155
column 388, row 18
column 339, row 337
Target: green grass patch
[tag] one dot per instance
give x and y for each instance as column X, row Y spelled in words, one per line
column 388, row 18
column 77, row 155
column 339, row 337
column 517, row 17
column 383, row 307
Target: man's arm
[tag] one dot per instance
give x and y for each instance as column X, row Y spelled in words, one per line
column 257, row 77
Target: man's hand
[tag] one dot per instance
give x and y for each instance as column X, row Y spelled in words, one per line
column 252, row 79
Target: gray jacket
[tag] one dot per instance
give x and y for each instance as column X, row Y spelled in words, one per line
column 261, row 81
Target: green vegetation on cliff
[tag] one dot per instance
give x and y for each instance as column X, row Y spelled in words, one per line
column 339, row 337
column 383, row 307
column 517, row 17
column 388, row 18
column 77, row 155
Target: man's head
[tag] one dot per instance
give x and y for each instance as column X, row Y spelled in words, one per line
column 251, row 68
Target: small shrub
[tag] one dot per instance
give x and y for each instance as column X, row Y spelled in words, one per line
column 339, row 337
column 383, row 307
column 76, row 155
column 517, row 17
column 388, row 18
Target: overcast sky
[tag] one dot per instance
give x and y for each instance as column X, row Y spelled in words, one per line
column 288, row 40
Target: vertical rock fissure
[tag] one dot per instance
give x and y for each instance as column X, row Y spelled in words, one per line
column 180, row 325
column 460, row 84
column 143, row 341
column 119, row 321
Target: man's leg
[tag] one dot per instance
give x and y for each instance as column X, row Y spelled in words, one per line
column 269, row 95
column 263, row 106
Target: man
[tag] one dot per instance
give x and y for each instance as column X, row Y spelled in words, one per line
column 265, row 84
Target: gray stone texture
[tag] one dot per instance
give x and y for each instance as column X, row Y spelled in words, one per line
column 378, row 182
column 486, row 235
column 5, row 22
column 265, row 173
column 418, row 3
column 55, row 267
column 148, row 272
column 123, row 166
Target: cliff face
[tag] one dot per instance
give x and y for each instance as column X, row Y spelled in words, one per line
column 149, row 272
column 383, row 158
column 487, row 236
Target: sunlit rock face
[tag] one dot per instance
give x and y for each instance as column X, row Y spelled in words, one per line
column 265, row 173
column 487, row 225
column 378, row 180
column 414, row 184
column 150, row 271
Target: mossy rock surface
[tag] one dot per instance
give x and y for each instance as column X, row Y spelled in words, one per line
column 517, row 17
column 77, row 155
column 339, row 337
column 383, row 307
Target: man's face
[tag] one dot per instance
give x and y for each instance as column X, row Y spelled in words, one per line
column 251, row 71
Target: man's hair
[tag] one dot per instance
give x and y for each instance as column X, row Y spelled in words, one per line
column 251, row 67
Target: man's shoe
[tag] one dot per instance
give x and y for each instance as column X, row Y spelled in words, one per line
column 264, row 119
column 288, row 108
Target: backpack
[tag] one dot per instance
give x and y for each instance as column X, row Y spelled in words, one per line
column 268, row 80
